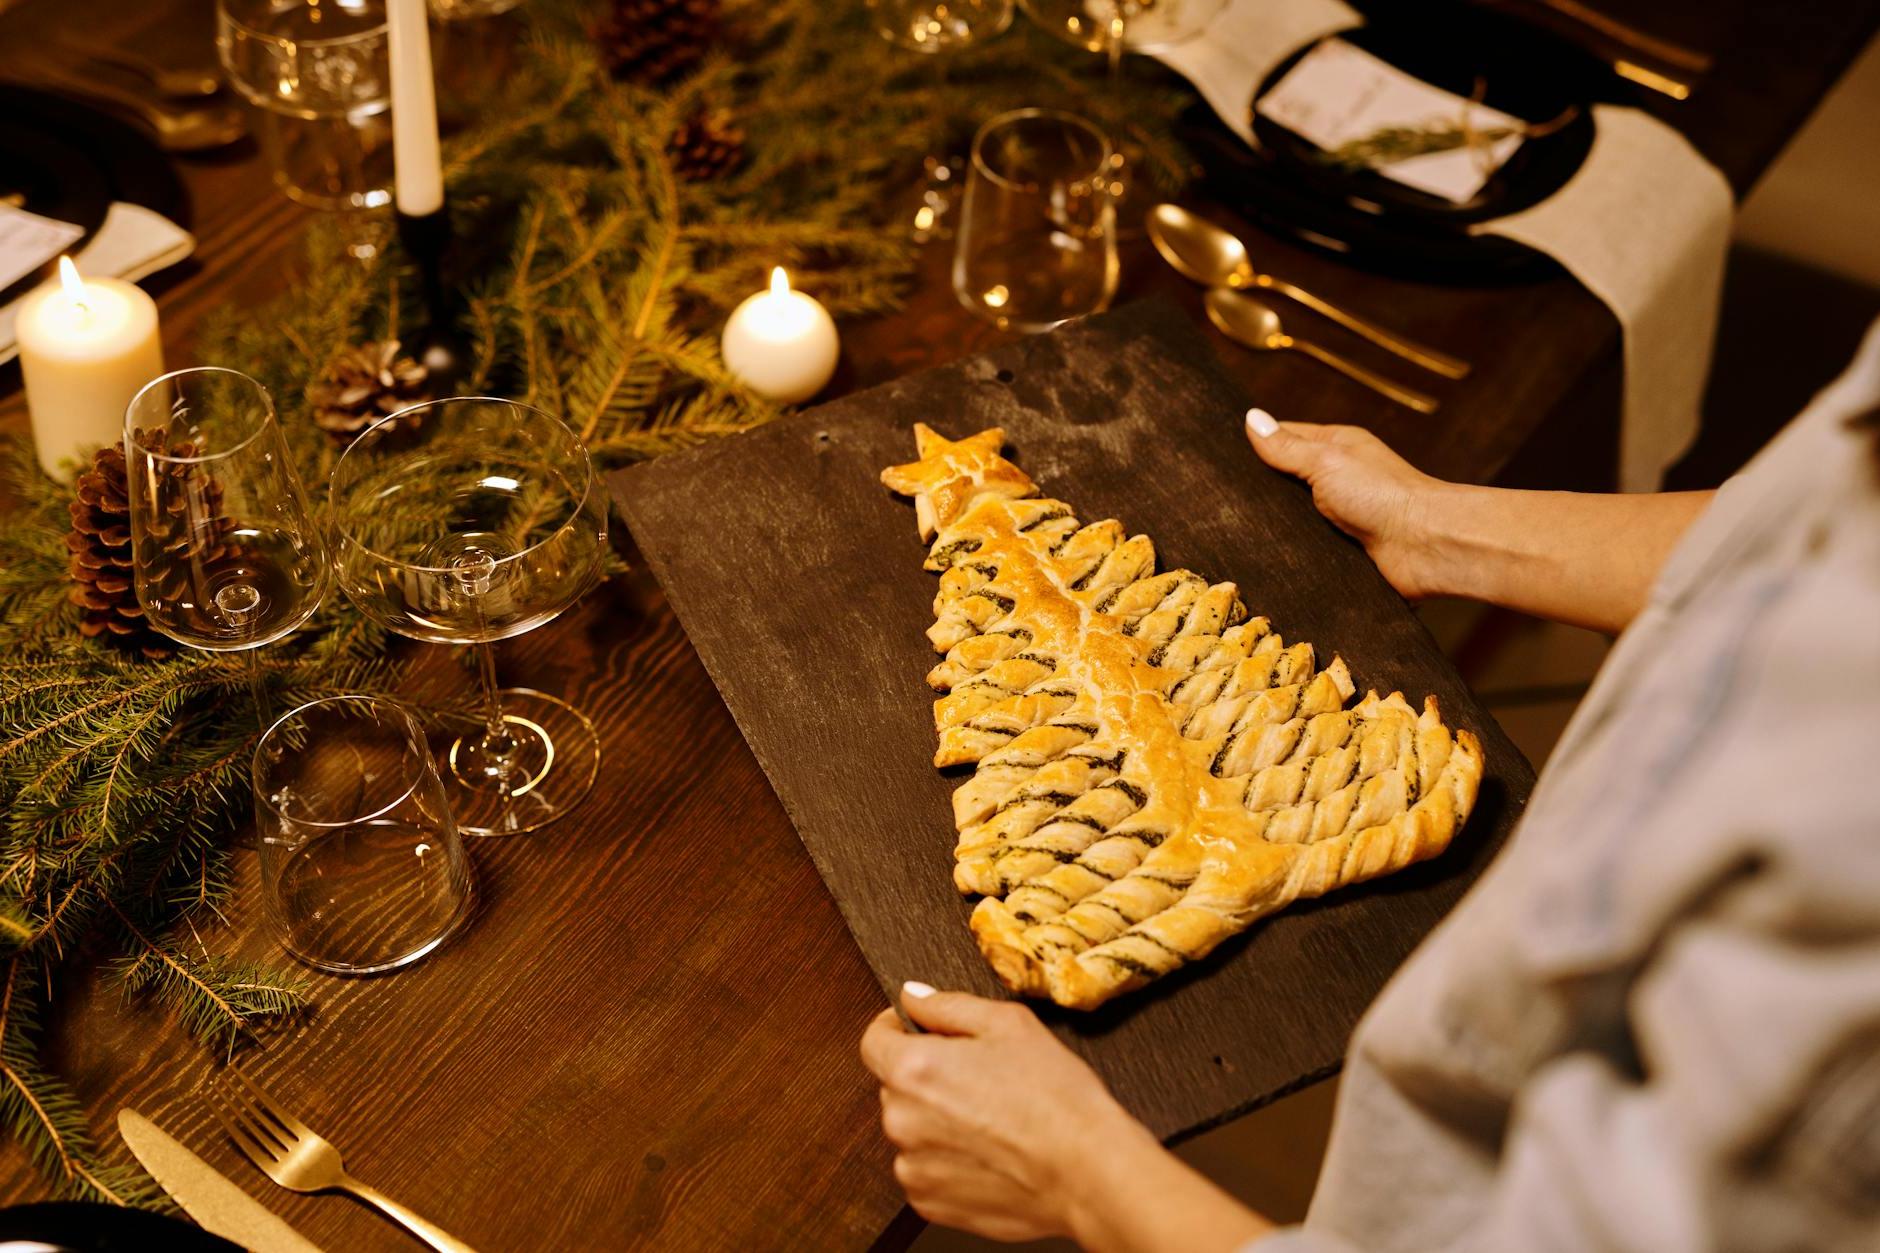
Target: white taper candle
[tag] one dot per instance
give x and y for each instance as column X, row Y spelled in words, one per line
column 414, row 109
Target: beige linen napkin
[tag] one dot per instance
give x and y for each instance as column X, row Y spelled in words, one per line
column 133, row 242
column 1644, row 225
column 1229, row 60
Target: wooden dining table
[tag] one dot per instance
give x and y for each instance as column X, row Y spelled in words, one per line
column 647, row 1035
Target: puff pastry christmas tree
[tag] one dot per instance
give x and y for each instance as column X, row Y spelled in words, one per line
column 1154, row 770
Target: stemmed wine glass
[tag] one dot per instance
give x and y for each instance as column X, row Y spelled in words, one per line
column 936, row 28
column 224, row 548
column 319, row 77
column 1111, row 28
column 466, row 521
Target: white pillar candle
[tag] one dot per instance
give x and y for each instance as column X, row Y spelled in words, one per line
column 420, row 168
column 781, row 343
column 86, row 346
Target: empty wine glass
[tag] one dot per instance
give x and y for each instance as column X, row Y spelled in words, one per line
column 226, row 553
column 466, row 521
column 1037, row 241
column 362, row 869
column 936, row 28
column 319, row 77
column 1111, row 28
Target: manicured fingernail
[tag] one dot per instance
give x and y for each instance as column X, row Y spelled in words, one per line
column 1261, row 423
column 916, row 989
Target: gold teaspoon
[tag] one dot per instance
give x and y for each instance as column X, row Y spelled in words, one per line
column 1213, row 257
column 1246, row 320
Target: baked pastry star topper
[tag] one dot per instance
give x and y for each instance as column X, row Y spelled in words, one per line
column 952, row 474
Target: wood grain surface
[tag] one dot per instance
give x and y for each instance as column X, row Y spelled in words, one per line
column 646, row 1037
column 798, row 579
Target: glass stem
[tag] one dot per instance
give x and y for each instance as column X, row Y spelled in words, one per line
column 360, row 245
column 498, row 741
column 258, row 687
column 1114, row 44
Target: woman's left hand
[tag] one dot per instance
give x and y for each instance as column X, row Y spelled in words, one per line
column 997, row 1123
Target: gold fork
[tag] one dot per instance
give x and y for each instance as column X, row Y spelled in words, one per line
column 298, row 1158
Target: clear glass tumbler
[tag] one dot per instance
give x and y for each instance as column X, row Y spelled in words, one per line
column 1037, row 236
column 319, row 76
column 362, row 868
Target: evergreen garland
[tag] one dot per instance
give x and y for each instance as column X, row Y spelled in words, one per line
column 595, row 281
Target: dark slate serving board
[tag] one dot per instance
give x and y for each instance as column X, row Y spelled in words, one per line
column 798, row 578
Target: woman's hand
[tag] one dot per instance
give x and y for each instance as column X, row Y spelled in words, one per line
column 1585, row 560
column 1004, row 1132
column 995, row 1120
column 1364, row 489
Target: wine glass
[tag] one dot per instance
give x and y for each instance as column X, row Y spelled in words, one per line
column 936, row 28
column 1037, row 241
column 225, row 551
column 362, row 869
column 1111, row 28
column 319, row 77
column 466, row 521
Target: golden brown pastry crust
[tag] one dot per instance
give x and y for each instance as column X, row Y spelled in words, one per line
column 1153, row 772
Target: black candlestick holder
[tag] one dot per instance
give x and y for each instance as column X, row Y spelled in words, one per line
column 440, row 347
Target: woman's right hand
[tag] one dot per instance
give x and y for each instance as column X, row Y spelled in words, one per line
column 1364, row 489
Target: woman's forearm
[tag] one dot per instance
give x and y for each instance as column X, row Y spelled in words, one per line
column 1586, row 560
column 1137, row 1197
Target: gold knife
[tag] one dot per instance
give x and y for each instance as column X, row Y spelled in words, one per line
column 206, row 1194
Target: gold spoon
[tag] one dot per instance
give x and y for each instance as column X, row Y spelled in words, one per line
column 1213, row 257
column 1255, row 324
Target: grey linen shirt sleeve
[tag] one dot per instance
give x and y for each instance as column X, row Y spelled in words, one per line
column 1755, row 1124
column 1739, row 1107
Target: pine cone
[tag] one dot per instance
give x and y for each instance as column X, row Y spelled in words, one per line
column 362, row 385
column 104, row 584
column 655, row 41
column 706, row 145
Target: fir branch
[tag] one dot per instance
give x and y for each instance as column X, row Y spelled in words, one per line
column 219, row 1001
column 44, row 1114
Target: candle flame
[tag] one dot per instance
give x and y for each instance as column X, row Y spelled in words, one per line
column 779, row 282
column 69, row 279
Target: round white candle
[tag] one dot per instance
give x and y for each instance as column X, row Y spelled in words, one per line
column 86, row 346
column 781, row 343
column 419, row 168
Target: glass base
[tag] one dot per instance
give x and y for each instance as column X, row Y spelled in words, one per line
column 551, row 768
column 360, row 903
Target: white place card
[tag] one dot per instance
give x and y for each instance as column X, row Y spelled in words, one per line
column 28, row 241
column 1339, row 93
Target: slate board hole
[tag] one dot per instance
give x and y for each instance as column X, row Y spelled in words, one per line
column 1224, row 1064
column 1005, row 376
column 822, row 437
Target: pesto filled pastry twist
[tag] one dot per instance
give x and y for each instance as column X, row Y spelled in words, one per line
column 1153, row 769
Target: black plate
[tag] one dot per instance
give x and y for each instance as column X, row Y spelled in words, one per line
column 70, row 162
column 1382, row 224
column 86, row 1228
